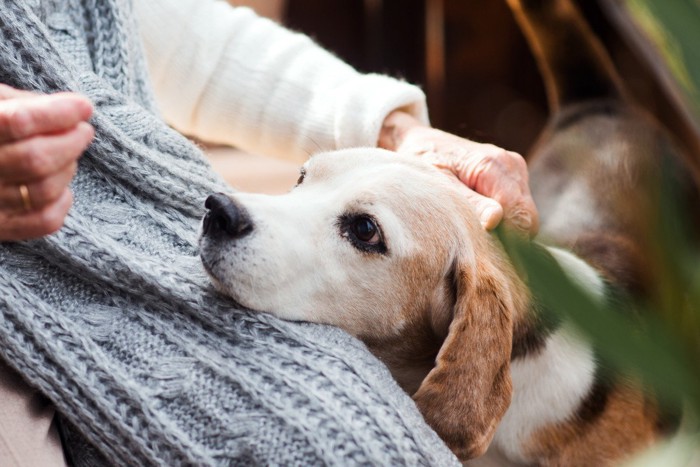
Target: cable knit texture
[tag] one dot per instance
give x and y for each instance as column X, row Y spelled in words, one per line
column 114, row 320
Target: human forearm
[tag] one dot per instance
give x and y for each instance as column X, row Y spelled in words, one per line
column 227, row 76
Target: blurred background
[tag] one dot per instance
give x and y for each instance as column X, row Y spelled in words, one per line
column 480, row 78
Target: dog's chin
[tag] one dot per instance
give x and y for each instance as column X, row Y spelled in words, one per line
column 223, row 289
column 210, row 269
column 218, row 285
column 218, row 278
column 208, row 265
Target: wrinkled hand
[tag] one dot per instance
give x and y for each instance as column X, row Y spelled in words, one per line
column 41, row 139
column 498, row 178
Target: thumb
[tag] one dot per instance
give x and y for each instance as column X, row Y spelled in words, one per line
column 487, row 210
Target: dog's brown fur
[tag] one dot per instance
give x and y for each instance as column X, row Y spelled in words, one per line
column 470, row 381
column 628, row 423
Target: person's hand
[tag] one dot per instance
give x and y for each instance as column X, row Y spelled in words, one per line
column 41, row 139
column 498, row 178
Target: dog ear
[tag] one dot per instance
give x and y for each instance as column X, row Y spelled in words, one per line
column 467, row 392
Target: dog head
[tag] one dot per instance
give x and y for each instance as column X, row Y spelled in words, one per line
column 385, row 247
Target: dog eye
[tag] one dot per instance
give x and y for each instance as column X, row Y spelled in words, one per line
column 302, row 175
column 365, row 230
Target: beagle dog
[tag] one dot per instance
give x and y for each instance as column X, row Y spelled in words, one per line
column 386, row 247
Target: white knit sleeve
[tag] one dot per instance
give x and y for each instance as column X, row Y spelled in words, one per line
column 225, row 75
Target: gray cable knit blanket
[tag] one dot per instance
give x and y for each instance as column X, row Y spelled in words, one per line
column 113, row 319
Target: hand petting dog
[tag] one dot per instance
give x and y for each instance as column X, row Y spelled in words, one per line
column 41, row 139
column 498, row 178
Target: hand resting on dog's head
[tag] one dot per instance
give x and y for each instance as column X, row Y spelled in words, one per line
column 498, row 179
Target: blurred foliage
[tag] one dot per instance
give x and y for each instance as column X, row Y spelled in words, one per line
column 647, row 346
column 658, row 344
column 674, row 26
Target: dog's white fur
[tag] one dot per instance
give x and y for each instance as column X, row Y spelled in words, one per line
column 548, row 387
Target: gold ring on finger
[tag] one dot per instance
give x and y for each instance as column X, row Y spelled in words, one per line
column 26, row 199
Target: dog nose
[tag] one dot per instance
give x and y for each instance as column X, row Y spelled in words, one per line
column 225, row 217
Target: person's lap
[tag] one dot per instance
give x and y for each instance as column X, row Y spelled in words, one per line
column 28, row 434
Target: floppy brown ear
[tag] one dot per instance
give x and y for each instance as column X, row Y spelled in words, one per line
column 467, row 392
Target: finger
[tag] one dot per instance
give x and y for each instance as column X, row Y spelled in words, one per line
column 40, row 193
column 41, row 114
column 8, row 92
column 523, row 216
column 519, row 208
column 510, row 192
column 17, row 227
column 488, row 211
column 502, row 175
column 42, row 156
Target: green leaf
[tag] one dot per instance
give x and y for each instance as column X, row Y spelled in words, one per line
column 643, row 347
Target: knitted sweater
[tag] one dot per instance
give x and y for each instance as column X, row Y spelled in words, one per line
column 113, row 319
